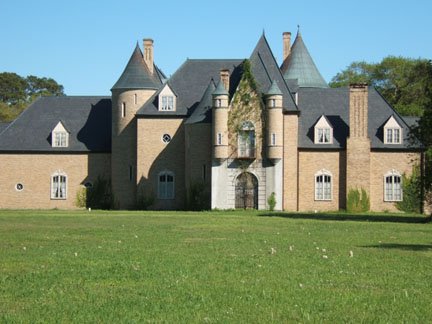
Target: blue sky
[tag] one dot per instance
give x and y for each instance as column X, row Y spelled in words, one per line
column 85, row 45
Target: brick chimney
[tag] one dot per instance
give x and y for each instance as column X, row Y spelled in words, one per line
column 148, row 53
column 358, row 106
column 358, row 145
column 225, row 78
column 286, row 45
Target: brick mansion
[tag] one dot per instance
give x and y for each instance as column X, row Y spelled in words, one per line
column 223, row 133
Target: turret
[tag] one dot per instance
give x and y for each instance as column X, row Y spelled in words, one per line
column 134, row 87
column 220, row 120
column 274, row 122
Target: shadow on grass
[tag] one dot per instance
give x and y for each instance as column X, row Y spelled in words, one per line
column 391, row 218
column 406, row 247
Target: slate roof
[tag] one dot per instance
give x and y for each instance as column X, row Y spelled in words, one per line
column 3, row 126
column 136, row 74
column 300, row 65
column 189, row 82
column 266, row 71
column 203, row 112
column 333, row 103
column 87, row 119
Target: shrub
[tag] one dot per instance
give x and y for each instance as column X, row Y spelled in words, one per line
column 81, row 198
column 198, row 197
column 145, row 201
column 411, row 187
column 271, row 201
column 358, row 201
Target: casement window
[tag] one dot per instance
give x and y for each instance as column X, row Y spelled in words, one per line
column 393, row 186
column 218, row 103
column 246, row 141
column 60, row 139
column 393, row 136
column 323, row 185
column 166, row 185
column 123, row 109
column 59, row 186
column 59, row 136
column 167, row 103
column 219, row 139
column 273, row 139
column 323, row 131
column 392, row 132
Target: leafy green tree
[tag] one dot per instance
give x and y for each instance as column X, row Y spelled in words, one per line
column 402, row 81
column 17, row 93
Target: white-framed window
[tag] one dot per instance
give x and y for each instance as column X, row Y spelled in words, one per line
column 393, row 186
column 246, row 140
column 59, row 186
column 166, row 185
column 272, row 103
column 123, row 109
column 167, row 103
column 323, row 131
column 323, row 185
column 167, row 99
column 218, row 103
column 19, row 187
column 59, row 136
column 392, row 132
column 219, row 139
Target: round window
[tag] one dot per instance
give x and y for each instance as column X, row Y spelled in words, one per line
column 19, row 186
column 166, row 138
column 88, row 185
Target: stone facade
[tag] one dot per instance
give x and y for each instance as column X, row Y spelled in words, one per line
column 34, row 172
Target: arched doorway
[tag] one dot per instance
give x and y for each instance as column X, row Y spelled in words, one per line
column 246, row 191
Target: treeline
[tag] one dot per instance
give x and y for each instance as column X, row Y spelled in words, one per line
column 17, row 92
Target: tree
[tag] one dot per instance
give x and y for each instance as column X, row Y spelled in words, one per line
column 402, row 81
column 17, row 93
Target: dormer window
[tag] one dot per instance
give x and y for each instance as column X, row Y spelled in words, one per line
column 167, row 99
column 59, row 136
column 323, row 131
column 392, row 132
column 167, row 103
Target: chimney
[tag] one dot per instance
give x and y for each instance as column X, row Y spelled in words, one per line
column 225, row 78
column 358, row 110
column 148, row 53
column 286, row 45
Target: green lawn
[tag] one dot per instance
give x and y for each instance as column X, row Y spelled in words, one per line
column 237, row 267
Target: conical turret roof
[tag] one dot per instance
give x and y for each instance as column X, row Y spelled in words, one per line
column 274, row 90
column 300, row 65
column 220, row 89
column 136, row 74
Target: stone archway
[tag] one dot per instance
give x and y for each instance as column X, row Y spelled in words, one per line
column 246, row 191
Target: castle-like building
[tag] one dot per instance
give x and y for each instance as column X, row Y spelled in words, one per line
column 219, row 133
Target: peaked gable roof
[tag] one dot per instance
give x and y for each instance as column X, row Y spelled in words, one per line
column 300, row 65
column 334, row 104
column 189, row 83
column 266, row 71
column 203, row 112
column 136, row 75
column 87, row 119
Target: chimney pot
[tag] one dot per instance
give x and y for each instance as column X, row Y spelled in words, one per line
column 225, row 78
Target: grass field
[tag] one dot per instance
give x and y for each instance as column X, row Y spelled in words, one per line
column 235, row 267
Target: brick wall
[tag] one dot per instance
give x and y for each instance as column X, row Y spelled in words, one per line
column 34, row 172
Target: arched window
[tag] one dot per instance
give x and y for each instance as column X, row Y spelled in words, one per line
column 246, row 140
column 393, row 186
column 323, row 185
column 59, row 186
column 166, row 185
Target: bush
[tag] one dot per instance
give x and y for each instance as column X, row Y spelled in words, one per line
column 81, row 198
column 198, row 197
column 412, row 199
column 358, row 201
column 145, row 201
column 271, row 201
